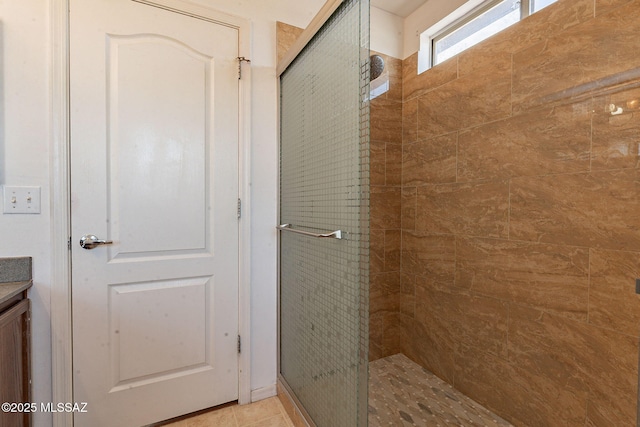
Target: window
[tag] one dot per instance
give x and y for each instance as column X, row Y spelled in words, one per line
column 470, row 24
column 536, row 5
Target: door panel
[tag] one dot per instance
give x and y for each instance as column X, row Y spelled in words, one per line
column 159, row 129
column 154, row 159
column 151, row 345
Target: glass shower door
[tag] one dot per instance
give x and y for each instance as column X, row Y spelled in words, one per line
column 324, row 193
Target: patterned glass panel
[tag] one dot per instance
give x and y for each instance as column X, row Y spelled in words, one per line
column 324, row 186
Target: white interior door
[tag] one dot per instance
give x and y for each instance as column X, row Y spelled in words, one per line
column 154, row 169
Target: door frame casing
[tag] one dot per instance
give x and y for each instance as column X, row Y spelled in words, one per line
column 60, row 200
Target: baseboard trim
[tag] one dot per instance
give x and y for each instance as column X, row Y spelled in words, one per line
column 263, row 393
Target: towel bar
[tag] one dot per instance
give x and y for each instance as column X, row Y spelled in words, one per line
column 333, row 235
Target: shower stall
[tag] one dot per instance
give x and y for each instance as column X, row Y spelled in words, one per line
column 467, row 232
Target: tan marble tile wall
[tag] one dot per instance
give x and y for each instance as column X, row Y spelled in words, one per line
column 286, row 35
column 520, row 218
column 385, row 214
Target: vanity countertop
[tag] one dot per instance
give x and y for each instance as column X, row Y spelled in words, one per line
column 10, row 289
column 15, row 277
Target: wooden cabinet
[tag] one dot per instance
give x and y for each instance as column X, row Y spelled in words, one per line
column 15, row 359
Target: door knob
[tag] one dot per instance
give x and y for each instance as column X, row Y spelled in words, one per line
column 89, row 241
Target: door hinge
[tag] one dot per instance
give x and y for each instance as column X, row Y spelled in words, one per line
column 241, row 59
column 69, row 243
column 239, row 208
column 239, row 345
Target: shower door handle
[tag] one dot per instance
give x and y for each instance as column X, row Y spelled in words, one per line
column 333, row 235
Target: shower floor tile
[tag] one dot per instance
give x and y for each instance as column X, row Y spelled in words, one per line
column 402, row 393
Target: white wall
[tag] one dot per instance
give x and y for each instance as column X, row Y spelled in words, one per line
column 386, row 33
column 400, row 37
column 424, row 17
column 25, row 160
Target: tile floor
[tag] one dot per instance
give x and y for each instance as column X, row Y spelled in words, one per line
column 264, row 413
column 401, row 394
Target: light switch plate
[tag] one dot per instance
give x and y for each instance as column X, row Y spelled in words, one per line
column 21, row 200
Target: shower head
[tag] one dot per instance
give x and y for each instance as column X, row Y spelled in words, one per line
column 377, row 66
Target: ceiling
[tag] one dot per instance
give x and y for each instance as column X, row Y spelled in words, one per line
column 401, row 8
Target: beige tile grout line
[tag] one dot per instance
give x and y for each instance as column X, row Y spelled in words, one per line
column 235, row 418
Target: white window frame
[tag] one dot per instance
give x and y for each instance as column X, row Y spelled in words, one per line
column 455, row 20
